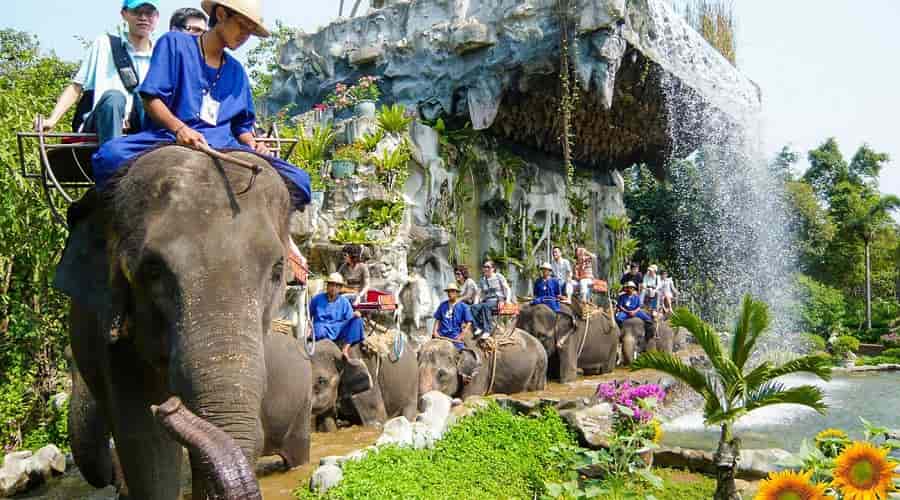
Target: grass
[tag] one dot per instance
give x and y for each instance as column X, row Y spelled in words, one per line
column 492, row 454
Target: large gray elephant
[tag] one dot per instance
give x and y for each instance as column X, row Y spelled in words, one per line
column 637, row 339
column 571, row 340
column 518, row 365
column 287, row 402
column 368, row 388
column 173, row 276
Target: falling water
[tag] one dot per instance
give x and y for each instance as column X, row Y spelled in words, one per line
column 732, row 224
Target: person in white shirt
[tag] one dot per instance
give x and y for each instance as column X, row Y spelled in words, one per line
column 114, row 107
column 562, row 270
column 667, row 291
column 650, row 287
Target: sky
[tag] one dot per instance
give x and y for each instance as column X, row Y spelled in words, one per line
column 827, row 68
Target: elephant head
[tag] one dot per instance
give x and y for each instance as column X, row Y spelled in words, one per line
column 440, row 364
column 180, row 267
column 632, row 339
column 333, row 378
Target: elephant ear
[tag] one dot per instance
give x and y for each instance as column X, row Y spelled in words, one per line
column 84, row 271
column 355, row 377
column 467, row 362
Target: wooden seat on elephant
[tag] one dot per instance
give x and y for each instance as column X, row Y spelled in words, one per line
column 506, row 309
column 377, row 301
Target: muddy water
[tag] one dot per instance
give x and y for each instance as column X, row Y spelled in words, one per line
column 278, row 485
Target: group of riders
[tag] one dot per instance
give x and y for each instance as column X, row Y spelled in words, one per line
column 136, row 94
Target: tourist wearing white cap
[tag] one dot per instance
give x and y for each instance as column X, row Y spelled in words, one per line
column 334, row 318
column 453, row 319
column 546, row 289
column 108, row 93
column 651, row 285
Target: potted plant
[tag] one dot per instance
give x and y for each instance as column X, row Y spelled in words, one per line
column 345, row 159
column 341, row 100
column 324, row 114
column 365, row 93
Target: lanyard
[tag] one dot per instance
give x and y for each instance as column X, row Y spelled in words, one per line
column 212, row 86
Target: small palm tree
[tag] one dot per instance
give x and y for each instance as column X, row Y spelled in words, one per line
column 731, row 389
column 868, row 218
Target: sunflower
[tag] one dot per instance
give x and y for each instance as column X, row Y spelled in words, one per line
column 863, row 472
column 831, row 442
column 789, row 485
column 657, row 431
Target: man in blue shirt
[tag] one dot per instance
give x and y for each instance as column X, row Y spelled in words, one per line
column 453, row 319
column 629, row 306
column 546, row 289
column 114, row 107
column 334, row 318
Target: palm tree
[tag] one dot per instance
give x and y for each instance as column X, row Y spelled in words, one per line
column 867, row 220
column 730, row 391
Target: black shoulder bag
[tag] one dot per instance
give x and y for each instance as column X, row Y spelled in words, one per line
column 127, row 74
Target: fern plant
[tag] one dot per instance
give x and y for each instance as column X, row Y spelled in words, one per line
column 369, row 141
column 731, row 389
column 392, row 119
column 392, row 167
column 311, row 150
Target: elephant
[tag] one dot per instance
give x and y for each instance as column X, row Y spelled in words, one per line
column 173, row 274
column 635, row 338
column 364, row 388
column 519, row 365
column 571, row 341
column 287, row 403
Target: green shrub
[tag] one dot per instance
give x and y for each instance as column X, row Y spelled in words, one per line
column 369, row 141
column 392, row 167
column 844, row 345
column 822, row 308
column 392, row 119
column 893, row 352
column 350, row 231
column 816, row 341
column 311, row 150
column 350, row 152
column 492, row 454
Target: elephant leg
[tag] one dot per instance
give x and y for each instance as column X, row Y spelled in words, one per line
column 89, row 435
column 628, row 346
column 568, row 360
column 297, row 442
column 151, row 461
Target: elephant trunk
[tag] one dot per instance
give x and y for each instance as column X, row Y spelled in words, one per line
column 226, row 469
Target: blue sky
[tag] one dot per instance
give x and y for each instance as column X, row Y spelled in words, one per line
column 826, row 67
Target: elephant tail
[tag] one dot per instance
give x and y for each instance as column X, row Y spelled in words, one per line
column 227, row 469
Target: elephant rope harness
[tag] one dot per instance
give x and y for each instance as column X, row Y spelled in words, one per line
column 385, row 342
column 491, row 346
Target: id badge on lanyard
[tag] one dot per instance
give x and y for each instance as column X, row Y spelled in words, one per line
column 209, row 109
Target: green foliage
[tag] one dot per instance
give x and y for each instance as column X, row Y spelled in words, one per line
column 392, row 167
column 492, row 454
column 811, row 223
column 355, row 153
column 351, row 231
column 312, row 149
column 844, row 345
column 262, row 61
column 817, row 343
column 370, row 140
column 624, row 247
column 822, row 308
column 392, row 119
column 378, row 214
column 732, row 389
column 651, row 211
column 32, row 314
column 674, row 485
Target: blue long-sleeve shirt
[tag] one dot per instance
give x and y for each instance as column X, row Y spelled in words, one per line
column 547, row 292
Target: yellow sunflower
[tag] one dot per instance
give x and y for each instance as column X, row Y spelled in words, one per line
column 657, row 431
column 863, row 472
column 831, row 434
column 789, row 485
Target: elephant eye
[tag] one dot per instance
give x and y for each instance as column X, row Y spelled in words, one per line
column 278, row 270
column 321, row 381
column 442, row 374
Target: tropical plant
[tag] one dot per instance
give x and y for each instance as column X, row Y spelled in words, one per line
column 392, row 119
column 392, row 167
column 867, row 219
column 351, row 231
column 732, row 389
column 370, row 140
column 311, row 150
column 844, row 345
column 379, row 215
column 366, row 89
column 350, row 152
column 624, row 247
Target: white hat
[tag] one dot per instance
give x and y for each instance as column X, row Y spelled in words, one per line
column 451, row 287
column 629, row 284
column 251, row 9
column 335, row 278
column 546, row 265
column 652, row 268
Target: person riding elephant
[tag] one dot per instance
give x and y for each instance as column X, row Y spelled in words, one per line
column 517, row 363
column 637, row 327
column 355, row 273
column 547, row 289
column 572, row 339
column 368, row 387
column 333, row 317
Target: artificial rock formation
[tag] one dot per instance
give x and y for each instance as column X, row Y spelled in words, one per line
column 495, row 63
